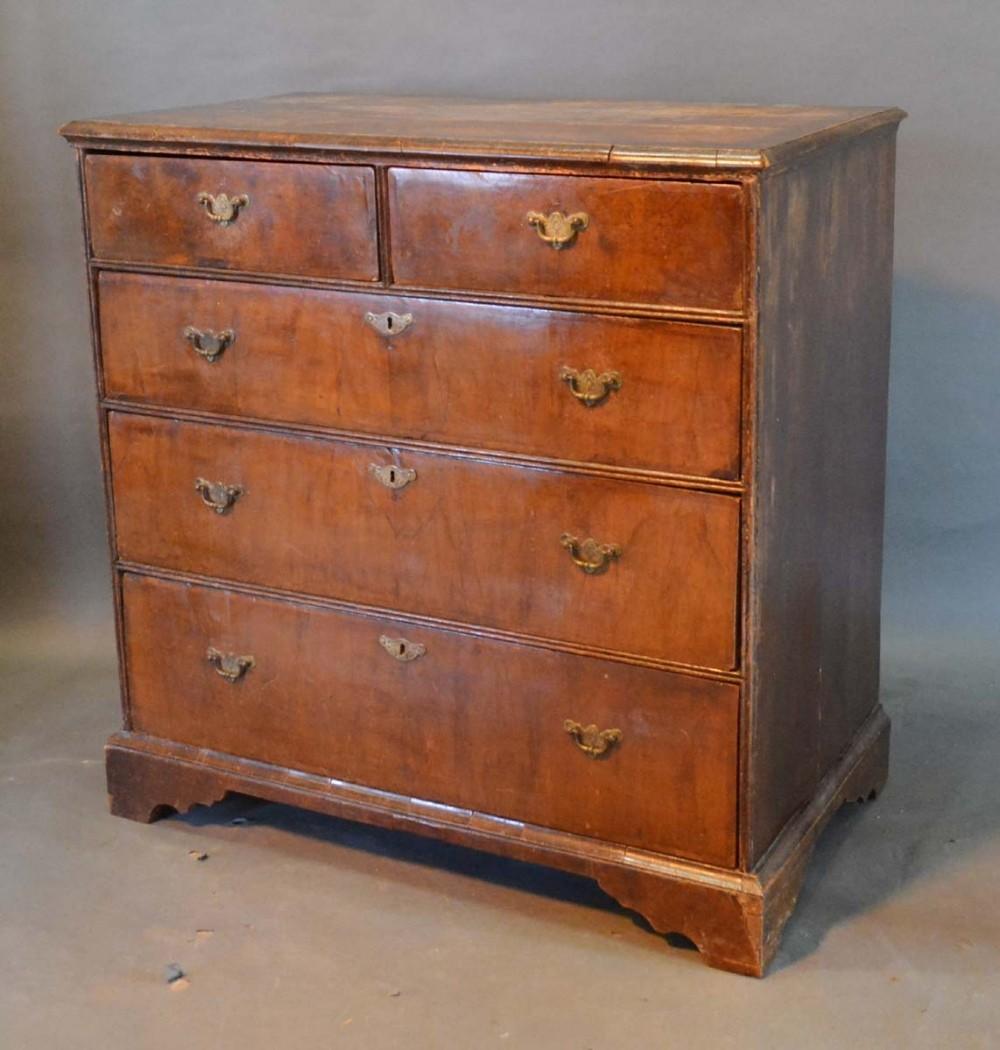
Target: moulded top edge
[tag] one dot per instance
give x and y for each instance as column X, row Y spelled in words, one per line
column 652, row 134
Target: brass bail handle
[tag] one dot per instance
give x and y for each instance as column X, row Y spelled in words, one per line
column 222, row 208
column 590, row 740
column 592, row 557
column 217, row 494
column 556, row 229
column 588, row 387
column 207, row 343
column 230, row 666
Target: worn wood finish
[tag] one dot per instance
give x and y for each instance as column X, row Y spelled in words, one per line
column 741, row 931
column 735, row 919
column 313, row 519
column 460, row 373
column 671, row 135
column 672, row 243
column 734, row 270
column 308, row 219
column 819, row 477
column 471, row 722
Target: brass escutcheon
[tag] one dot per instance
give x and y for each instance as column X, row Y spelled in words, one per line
column 557, row 229
column 229, row 665
column 392, row 476
column 592, row 557
column 587, row 386
column 210, row 345
column 591, row 740
column 389, row 324
column 218, row 495
column 222, row 208
column 401, row 649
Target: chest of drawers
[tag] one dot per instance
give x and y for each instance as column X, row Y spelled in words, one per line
column 510, row 473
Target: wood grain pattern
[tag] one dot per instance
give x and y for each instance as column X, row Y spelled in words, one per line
column 735, row 919
column 471, row 723
column 467, row 540
column 461, row 373
column 671, row 243
column 665, row 134
column 825, row 302
column 308, row 219
column 736, row 270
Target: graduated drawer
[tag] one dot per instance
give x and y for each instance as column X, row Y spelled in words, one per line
column 457, row 538
column 671, row 243
column 315, row 220
column 663, row 396
column 465, row 721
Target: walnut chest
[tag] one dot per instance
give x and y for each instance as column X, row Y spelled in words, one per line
column 506, row 472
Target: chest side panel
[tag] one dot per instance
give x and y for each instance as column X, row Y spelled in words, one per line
column 825, row 245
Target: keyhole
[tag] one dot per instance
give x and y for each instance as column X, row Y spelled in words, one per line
column 401, row 649
column 392, row 475
column 388, row 323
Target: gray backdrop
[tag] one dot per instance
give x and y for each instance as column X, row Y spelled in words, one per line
column 77, row 58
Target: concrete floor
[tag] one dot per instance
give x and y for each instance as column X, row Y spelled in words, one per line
column 303, row 931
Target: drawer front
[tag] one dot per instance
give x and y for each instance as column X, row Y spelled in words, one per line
column 469, row 722
column 670, row 243
column 459, row 538
column 314, row 220
column 663, row 396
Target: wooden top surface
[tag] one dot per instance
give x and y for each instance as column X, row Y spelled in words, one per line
column 653, row 133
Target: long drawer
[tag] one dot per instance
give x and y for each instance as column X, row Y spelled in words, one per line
column 555, row 384
column 671, row 243
column 464, row 721
column 618, row 565
column 315, row 220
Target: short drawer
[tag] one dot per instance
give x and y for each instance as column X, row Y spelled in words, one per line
column 617, row 565
column 315, row 220
column 654, row 395
column 463, row 721
column 654, row 241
